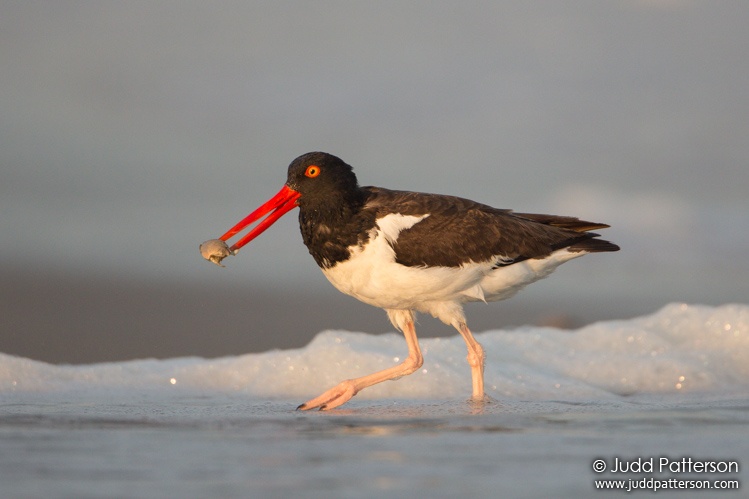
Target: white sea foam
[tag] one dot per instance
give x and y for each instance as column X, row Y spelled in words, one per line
column 679, row 349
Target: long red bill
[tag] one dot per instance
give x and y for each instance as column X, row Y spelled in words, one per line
column 278, row 205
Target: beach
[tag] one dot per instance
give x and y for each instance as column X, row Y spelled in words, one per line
column 671, row 384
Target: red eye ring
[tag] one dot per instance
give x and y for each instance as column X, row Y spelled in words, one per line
column 312, row 171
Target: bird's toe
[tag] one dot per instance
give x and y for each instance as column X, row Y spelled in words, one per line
column 336, row 396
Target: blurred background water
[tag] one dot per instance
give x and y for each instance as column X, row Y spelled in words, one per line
column 130, row 132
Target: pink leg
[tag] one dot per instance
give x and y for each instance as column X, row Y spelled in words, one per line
column 345, row 390
column 475, row 360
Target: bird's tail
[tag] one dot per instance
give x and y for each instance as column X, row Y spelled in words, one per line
column 588, row 243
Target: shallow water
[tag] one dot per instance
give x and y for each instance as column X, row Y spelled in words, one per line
column 229, row 446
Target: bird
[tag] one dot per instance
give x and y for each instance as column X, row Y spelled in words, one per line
column 411, row 252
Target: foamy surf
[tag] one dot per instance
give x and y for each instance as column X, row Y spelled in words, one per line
column 679, row 349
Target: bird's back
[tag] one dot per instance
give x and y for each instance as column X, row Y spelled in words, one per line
column 457, row 231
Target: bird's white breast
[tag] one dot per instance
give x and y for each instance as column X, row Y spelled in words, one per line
column 373, row 276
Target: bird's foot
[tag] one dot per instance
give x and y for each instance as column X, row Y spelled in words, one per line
column 483, row 399
column 336, row 396
column 478, row 404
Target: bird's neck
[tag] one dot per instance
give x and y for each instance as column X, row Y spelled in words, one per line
column 329, row 227
column 334, row 208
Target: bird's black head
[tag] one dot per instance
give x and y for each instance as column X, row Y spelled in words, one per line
column 322, row 178
column 320, row 184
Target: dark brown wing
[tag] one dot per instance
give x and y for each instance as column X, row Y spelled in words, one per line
column 458, row 231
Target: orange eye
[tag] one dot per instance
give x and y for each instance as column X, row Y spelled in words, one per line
column 312, row 171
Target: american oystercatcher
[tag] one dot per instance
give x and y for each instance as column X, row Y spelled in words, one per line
column 410, row 252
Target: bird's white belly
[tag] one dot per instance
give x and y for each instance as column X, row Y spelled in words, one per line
column 372, row 276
